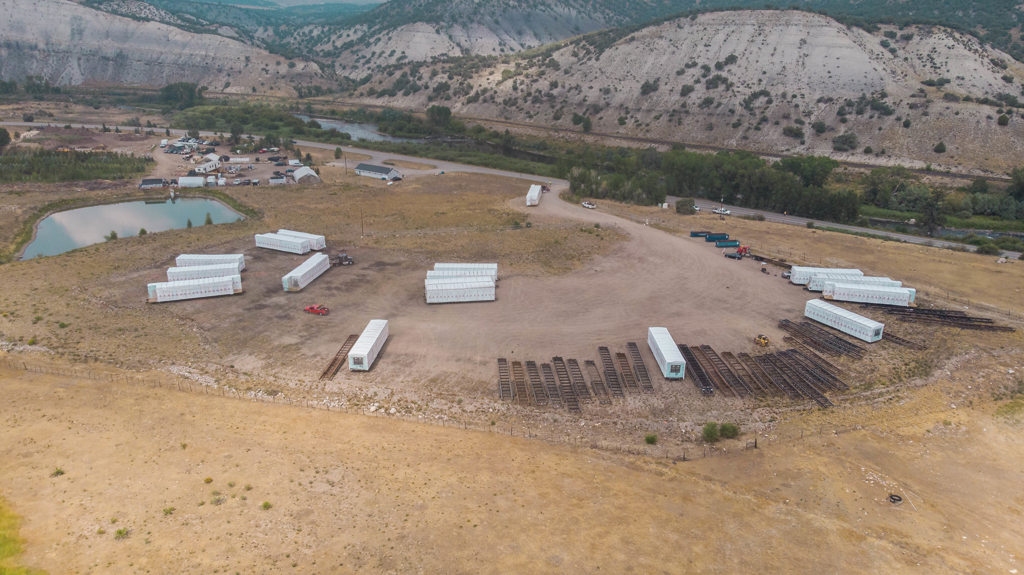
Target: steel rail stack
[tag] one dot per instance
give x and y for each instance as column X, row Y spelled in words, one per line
column 628, row 380
column 519, row 378
column 640, row 367
column 604, row 397
column 504, row 379
column 578, row 383
column 540, row 397
column 696, row 372
column 551, row 385
column 611, row 377
column 339, row 358
column 565, row 388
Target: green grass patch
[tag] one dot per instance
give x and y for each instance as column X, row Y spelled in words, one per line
column 474, row 158
column 11, row 544
column 1011, row 410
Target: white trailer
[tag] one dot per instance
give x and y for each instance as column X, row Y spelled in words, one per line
column 464, row 274
column 469, row 269
column 828, row 286
column 199, row 272
column 445, row 280
column 533, row 196
column 208, row 167
column 458, row 292
column 193, row 289
column 163, row 143
column 845, row 321
column 308, row 271
column 281, row 243
column 187, row 260
column 237, row 160
column 666, row 353
column 818, row 281
column 191, row 182
column 862, row 293
column 800, row 275
column 315, row 242
column 368, row 346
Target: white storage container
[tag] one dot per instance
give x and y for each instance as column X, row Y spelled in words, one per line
column 465, row 291
column 308, row 271
column 200, row 272
column 533, row 196
column 281, row 243
column 829, row 285
column 845, row 321
column 315, row 242
column 187, row 260
column 471, row 269
column 192, row 289
column 818, row 281
column 800, row 275
column 666, row 353
column 238, row 160
column 863, row 293
column 369, row 344
column 446, row 280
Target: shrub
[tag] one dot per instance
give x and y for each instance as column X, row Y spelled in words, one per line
column 168, row 510
column 819, row 127
column 988, row 249
column 684, row 206
column 810, row 225
column 651, row 438
column 793, row 132
column 729, row 430
column 57, row 472
column 208, row 480
column 1003, row 120
column 906, row 123
column 686, row 90
column 710, row 432
column 121, row 533
column 940, row 148
column 845, row 142
column 266, row 505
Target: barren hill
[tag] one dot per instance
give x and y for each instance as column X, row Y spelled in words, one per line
column 75, row 45
column 762, row 80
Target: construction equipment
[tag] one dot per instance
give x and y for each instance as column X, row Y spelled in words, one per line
column 761, row 340
column 743, row 250
column 342, row 259
column 318, row 309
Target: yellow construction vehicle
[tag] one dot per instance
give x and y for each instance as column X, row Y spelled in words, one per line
column 761, row 340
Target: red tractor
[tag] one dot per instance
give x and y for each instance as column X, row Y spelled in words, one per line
column 743, row 250
column 317, row 309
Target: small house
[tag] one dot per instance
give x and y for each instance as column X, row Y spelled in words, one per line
column 379, row 172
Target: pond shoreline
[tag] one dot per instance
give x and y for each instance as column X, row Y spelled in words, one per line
column 19, row 252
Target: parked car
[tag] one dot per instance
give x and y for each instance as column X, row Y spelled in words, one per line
column 786, row 274
column 280, row 164
column 589, row 205
column 236, row 182
column 696, row 208
column 722, row 211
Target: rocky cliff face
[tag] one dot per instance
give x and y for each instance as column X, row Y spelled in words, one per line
column 763, row 80
column 69, row 44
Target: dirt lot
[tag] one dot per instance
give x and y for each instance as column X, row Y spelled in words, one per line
column 186, row 475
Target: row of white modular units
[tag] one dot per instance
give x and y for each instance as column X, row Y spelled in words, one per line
column 666, row 353
column 533, row 196
column 188, row 260
column 316, row 242
column 801, row 275
column 192, row 289
column 845, row 321
column 466, row 269
column 283, row 243
column 306, row 272
column 818, row 281
column 368, row 346
column 459, row 289
column 882, row 295
column 199, row 272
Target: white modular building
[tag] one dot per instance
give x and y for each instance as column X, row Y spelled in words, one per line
column 467, row 290
column 464, row 274
column 188, row 260
column 193, row 289
column 533, row 196
column 282, row 243
column 315, row 242
column 208, row 167
column 199, row 272
column 239, row 160
column 368, row 346
column 818, row 281
column 308, row 271
column 863, row 293
column 828, row 286
column 801, row 275
column 469, row 269
column 666, row 353
column 191, row 182
column 845, row 321
column 444, row 280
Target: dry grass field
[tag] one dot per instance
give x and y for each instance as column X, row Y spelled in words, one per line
column 393, row 494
